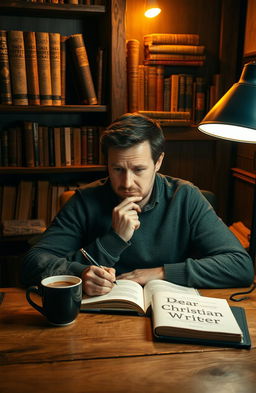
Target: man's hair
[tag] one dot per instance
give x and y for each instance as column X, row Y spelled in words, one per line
column 131, row 129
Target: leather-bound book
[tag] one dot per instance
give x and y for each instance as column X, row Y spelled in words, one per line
column 31, row 67
column 44, row 68
column 5, row 78
column 55, row 60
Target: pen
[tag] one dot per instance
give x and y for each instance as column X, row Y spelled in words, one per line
column 91, row 259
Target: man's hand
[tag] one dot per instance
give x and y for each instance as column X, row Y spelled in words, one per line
column 142, row 276
column 98, row 281
column 125, row 218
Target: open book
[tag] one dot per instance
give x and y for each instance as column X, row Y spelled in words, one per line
column 128, row 295
column 178, row 313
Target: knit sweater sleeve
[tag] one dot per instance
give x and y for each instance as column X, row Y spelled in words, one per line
column 57, row 252
column 220, row 259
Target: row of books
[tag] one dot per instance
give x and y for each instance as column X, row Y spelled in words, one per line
column 31, row 200
column 33, row 68
column 173, row 49
column 34, row 145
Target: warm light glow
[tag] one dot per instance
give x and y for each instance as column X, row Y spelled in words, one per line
column 230, row 132
column 152, row 12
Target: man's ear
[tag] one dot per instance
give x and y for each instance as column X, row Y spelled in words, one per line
column 159, row 162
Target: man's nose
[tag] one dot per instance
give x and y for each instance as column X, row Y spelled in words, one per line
column 127, row 179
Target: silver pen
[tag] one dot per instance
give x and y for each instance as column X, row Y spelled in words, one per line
column 92, row 260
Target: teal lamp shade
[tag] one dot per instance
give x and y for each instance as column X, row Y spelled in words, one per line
column 233, row 117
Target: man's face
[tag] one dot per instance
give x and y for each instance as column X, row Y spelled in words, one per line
column 132, row 171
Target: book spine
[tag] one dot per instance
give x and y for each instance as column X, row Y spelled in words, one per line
column 57, row 146
column 159, row 88
column 17, row 67
column 174, row 93
column 77, row 145
column 83, row 145
column 141, row 87
column 100, row 75
column 89, row 145
column 83, row 68
column 171, row 38
column 168, row 56
column 181, row 95
column 132, row 74
column 199, row 99
column 31, row 67
column 5, row 79
column 12, row 147
column 51, row 146
column 185, row 49
column 45, row 146
column 166, row 115
column 35, row 143
column 191, row 63
column 44, row 68
column 63, row 59
column 55, row 60
column 28, row 144
column 67, row 145
column 4, row 143
column 189, row 93
column 167, row 84
column 152, row 88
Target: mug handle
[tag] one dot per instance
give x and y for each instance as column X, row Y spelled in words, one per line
column 33, row 304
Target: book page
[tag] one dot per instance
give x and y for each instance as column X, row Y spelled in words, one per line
column 124, row 290
column 182, row 315
column 154, row 286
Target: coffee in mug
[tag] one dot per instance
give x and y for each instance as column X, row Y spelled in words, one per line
column 61, row 298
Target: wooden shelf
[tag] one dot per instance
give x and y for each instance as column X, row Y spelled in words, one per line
column 52, row 108
column 22, row 8
column 52, row 169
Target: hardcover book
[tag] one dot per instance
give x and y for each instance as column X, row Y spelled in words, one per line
column 83, row 69
column 5, row 79
column 17, row 67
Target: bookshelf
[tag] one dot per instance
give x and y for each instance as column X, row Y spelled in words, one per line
column 102, row 26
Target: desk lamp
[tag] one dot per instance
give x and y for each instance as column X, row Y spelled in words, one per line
column 233, row 118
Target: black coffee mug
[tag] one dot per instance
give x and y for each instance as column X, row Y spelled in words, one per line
column 61, row 298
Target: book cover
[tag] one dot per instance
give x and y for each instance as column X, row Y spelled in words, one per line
column 5, row 78
column 198, row 319
column 44, row 67
column 31, row 67
column 17, row 67
column 83, row 69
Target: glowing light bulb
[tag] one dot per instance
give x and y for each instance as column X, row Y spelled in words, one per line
column 152, row 12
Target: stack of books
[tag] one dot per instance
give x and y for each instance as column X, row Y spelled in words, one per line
column 173, row 49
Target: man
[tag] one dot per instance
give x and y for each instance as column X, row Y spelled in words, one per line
column 138, row 224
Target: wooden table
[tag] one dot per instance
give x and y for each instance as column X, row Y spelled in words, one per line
column 114, row 353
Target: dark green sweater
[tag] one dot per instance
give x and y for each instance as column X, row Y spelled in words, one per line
column 179, row 230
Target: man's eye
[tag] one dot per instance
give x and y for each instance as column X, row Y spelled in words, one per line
column 117, row 169
column 139, row 169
